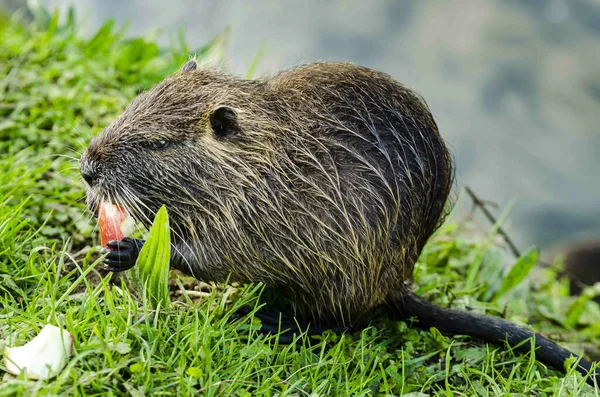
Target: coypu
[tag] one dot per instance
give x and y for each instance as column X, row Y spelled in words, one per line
column 324, row 181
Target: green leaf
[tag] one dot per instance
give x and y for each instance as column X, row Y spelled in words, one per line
column 150, row 275
column 576, row 308
column 518, row 272
column 194, row 372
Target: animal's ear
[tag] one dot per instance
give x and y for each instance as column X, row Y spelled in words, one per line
column 224, row 122
column 189, row 66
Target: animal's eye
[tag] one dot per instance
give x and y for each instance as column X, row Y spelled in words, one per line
column 158, row 144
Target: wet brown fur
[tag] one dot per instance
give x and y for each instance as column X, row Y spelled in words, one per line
column 336, row 180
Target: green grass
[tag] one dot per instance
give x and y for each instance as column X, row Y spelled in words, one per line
column 57, row 90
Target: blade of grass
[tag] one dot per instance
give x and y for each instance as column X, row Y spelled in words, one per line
column 256, row 60
column 151, row 272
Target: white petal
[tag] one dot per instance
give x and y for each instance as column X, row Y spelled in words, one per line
column 43, row 357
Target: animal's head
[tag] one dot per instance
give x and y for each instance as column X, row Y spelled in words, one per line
column 191, row 141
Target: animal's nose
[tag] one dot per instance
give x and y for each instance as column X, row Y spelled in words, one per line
column 90, row 177
column 88, row 171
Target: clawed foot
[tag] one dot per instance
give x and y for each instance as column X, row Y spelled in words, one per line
column 288, row 327
column 121, row 255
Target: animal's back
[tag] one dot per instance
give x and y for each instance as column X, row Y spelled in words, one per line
column 369, row 165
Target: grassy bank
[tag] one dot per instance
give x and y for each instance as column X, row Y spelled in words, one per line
column 57, row 90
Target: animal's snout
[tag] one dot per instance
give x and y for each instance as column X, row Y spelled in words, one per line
column 89, row 164
column 88, row 170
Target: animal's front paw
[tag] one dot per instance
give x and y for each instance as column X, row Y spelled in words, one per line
column 121, row 255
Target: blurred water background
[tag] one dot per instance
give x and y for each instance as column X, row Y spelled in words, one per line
column 514, row 85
